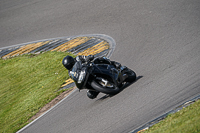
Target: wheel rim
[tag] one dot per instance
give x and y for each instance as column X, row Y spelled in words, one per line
column 106, row 83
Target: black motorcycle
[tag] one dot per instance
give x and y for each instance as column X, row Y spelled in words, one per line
column 101, row 77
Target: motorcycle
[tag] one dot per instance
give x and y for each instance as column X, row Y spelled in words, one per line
column 104, row 77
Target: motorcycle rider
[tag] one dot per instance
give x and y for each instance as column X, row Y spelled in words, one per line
column 68, row 62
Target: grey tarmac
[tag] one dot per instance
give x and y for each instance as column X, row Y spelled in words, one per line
column 158, row 39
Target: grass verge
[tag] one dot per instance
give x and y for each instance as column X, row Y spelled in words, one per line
column 186, row 120
column 27, row 83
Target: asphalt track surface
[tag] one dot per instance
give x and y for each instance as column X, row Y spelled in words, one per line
column 158, row 39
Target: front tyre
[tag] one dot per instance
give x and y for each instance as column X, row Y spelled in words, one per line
column 111, row 89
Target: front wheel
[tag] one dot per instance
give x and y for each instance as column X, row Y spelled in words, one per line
column 108, row 88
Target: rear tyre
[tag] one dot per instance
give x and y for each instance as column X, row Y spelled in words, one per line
column 131, row 75
column 92, row 94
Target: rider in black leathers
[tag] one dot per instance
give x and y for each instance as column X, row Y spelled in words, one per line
column 68, row 62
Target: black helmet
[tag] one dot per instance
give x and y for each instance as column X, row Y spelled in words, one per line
column 68, row 62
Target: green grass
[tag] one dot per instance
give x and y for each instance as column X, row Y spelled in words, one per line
column 186, row 120
column 27, row 83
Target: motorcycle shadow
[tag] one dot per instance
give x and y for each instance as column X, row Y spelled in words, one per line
column 121, row 89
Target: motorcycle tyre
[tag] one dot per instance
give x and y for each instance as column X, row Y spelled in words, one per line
column 98, row 87
column 92, row 94
column 131, row 76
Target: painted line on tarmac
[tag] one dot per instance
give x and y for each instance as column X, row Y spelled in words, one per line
column 92, row 44
column 162, row 117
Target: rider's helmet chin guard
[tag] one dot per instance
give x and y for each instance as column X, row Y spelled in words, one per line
column 68, row 62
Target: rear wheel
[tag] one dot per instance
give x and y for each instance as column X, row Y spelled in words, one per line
column 131, row 75
column 105, row 86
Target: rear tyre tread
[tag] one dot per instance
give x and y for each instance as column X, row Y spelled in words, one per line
column 131, row 76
